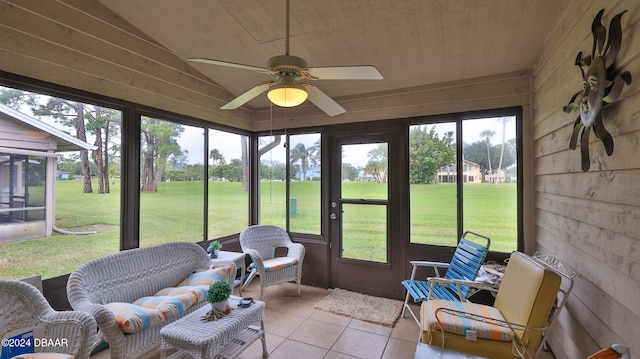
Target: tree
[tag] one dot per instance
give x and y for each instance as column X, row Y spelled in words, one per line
column 487, row 134
column 428, row 153
column 159, row 142
column 349, row 172
column 16, row 98
column 378, row 163
column 477, row 152
column 216, row 157
column 232, row 171
column 504, row 121
column 304, row 157
column 103, row 123
column 70, row 114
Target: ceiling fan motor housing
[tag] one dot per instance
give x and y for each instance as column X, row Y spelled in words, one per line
column 287, row 64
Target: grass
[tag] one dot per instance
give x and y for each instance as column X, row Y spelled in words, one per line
column 175, row 214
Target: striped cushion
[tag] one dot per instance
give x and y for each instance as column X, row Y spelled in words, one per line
column 200, row 291
column 43, row 356
column 208, row 277
column 133, row 318
column 276, row 263
column 169, row 306
column 458, row 325
column 150, row 311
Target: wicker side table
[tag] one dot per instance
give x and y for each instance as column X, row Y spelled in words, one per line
column 224, row 338
column 238, row 259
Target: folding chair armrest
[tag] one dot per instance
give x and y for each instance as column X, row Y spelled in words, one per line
column 429, row 264
column 459, row 282
column 434, row 265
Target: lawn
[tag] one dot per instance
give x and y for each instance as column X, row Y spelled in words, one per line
column 175, row 214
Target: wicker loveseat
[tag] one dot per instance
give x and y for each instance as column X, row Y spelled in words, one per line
column 138, row 274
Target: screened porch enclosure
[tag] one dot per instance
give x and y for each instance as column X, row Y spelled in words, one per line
column 23, row 185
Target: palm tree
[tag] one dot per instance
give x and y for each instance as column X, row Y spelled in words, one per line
column 504, row 133
column 487, row 134
column 305, row 156
column 216, row 157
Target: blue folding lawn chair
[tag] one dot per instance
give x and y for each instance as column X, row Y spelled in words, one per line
column 465, row 264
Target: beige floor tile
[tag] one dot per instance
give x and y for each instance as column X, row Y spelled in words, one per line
column 360, row 344
column 282, row 324
column 370, row 327
column 406, row 329
column 336, row 355
column 315, row 332
column 330, row 318
column 291, row 349
column 254, row 351
column 399, row 349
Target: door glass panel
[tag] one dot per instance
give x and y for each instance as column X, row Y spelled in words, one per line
column 364, row 232
column 364, row 171
column 490, row 192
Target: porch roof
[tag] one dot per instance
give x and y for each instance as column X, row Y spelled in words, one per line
column 65, row 141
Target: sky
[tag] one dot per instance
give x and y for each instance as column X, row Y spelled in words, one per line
column 229, row 144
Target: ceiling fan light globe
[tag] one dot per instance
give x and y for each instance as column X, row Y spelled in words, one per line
column 287, row 96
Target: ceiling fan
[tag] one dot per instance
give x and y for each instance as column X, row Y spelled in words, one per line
column 290, row 74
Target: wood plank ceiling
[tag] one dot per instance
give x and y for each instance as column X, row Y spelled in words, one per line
column 411, row 42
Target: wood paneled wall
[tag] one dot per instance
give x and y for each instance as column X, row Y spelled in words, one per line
column 83, row 45
column 591, row 219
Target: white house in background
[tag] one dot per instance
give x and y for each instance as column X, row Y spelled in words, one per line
column 28, row 150
column 470, row 171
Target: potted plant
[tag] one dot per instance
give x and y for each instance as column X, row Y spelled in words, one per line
column 214, row 249
column 218, row 295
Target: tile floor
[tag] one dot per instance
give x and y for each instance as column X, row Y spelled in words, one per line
column 296, row 330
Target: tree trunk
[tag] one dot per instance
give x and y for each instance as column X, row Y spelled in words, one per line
column 107, row 186
column 97, row 159
column 244, row 143
column 504, row 130
column 489, row 159
column 147, row 176
column 84, row 156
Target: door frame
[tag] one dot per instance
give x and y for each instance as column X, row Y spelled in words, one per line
column 362, row 276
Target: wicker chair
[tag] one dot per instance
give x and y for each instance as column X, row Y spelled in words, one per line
column 22, row 306
column 260, row 243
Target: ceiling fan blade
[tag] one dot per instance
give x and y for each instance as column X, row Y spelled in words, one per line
column 364, row 72
column 246, row 97
column 324, row 102
column 230, row 64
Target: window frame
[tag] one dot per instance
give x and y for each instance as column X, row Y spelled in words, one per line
column 459, row 118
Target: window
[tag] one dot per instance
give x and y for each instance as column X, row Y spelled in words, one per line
column 171, row 182
column 490, row 201
column 432, row 176
column 489, row 188
column 82, row 221
column 23, row 186
column 272, row 177
column 228, row 183
column 304, row 190
column 299, row 193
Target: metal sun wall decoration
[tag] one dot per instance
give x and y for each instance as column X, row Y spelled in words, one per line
column 602, row 83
